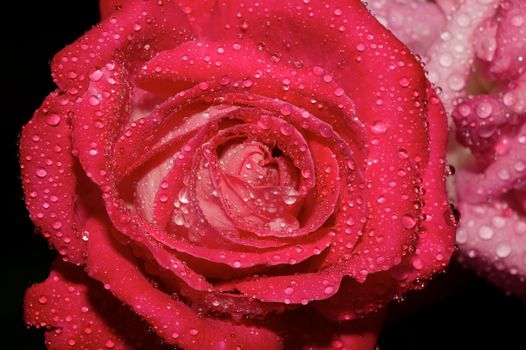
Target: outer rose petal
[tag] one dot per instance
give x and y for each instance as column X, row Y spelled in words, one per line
column 79, row 314
column 48, row 172
column 434, row 247
column 173, row 320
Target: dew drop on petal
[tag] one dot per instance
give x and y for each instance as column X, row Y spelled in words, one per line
column 328, row 290
column 404, row 82
column 339, row 92
column 53, row 119
column 378, row 127
column 408, row 221
column 418, row 264
column 96, row 75
column 503, row 250
column 485, row 232
column 41, row 172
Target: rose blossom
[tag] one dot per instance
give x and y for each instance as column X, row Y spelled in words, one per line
column 234, row 175
column 478, row 60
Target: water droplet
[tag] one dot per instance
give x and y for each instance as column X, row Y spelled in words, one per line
column 404, row 82
column 445, row 60
column 498, row 221
column 517, row 21
column 285, row 109
column 456, row 82
column 289, row 199
column 42, row 299
column 236, row 264
column 110, row 344
column 57, row 225
column 408, row 221
column 175, row 335
column 247, row 83
column 203, row 85
column 378, row 127
column 53, row 119
column 93, row 100
column 463, row 20
column 339, row 92
column 178, row 219
column 193, row 331
column 327, row 78
column 317, row 70
column 183, row 195
column 483, row 110
column 519, row 166
column 485, row 232
column 418, row 264
column 520, row 227
column 41, row 172
column 328, row 290
column 503, row 250
column 96, row 75
column 286, row 130
column 503, row 174
column 289, row 290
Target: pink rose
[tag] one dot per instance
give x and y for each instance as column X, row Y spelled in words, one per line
column 475, row 53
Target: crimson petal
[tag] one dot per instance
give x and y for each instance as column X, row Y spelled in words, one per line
column 48, row 172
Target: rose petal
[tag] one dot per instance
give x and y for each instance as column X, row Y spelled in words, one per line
column 75, row 66
column 508, row 62
column 492, row 241
column 450, row 57
column 508, row 171
column 49, row 178
column 173, row 320
column 416, row 23
column 76, row 311
column 96, row 117
column 434, row 247
column 481, row 121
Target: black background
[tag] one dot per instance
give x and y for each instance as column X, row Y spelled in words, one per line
column 457, row 310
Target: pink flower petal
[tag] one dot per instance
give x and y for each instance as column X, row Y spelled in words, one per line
column 49, row 178
column 77, row 312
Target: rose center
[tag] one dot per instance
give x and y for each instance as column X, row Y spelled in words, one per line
column 258, row 187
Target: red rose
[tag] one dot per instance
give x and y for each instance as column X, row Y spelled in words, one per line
column 238, row 174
